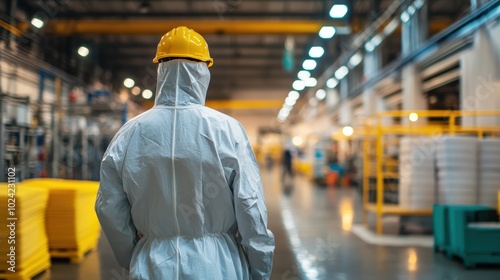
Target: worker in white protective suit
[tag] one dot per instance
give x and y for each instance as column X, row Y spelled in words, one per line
column 180, row 194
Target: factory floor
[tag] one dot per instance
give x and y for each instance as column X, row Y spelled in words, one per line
column 318, row 222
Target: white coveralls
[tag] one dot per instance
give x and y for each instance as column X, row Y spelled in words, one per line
column 184, row 176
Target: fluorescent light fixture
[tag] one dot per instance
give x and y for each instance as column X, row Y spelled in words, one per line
column 309, row 64
column 288, row 107
column 147, row 94
column 284, row 112
column 320, row 94
column 297, row 140
column 377, row 39
column 390, row 27
column 405, row 16
column 332, row 83
column 136, row 90
column 303, row 75
column 327, row 32
column 38, row 23
column 313, row 102
column 355, row 59
column 290, row 101
column 298, row 85
column 128, row 83
column 347, row 131
column 83, row 51
column 316, row 52
column 369, row 47
column 411, row 10
column 338, row 11
column 413, row 117
column 341, row 72
column 311, row 82
column 293, row 94
column 418, row 3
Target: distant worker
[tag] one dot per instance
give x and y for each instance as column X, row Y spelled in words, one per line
column 287, row 172
column 180, row 194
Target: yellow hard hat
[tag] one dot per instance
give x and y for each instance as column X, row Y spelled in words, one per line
column 182, row 42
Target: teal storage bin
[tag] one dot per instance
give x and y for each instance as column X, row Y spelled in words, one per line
column 440, row 227
column 470, row 238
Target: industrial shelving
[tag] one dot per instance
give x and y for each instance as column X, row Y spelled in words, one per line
column 378, row 130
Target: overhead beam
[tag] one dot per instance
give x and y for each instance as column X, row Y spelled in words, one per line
column 206, row 15
column 158, row 27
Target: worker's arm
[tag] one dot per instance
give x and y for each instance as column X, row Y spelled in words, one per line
column 251, row 213
column 113, row 208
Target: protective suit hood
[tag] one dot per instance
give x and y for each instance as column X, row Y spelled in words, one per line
column 181, row 82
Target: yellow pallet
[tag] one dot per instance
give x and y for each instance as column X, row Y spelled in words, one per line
column 74, row 255
column 38, row 267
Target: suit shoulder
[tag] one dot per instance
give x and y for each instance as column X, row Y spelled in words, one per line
column 217, row 116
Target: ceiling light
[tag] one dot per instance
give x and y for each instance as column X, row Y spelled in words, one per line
column 298, row 85
column 83, row 51
column 413, row 117
column 376, row 40
column 309, row 64
column 347, row 131
column 390, row 27
column 332, row 83
column 304, row 75
column 147, row 94
column 405, row 16
column 311, row 82
column 293, row 94
column 356, row 59
column 284, row 112
column 297, row 140
column 136, row 90
column 316, row 52
column 327, row 32
column 418, row 3
column 313, row 102
column 320, row 94
column 341, row 72
column 369, row 47
column 128, row 83
column 290, row 101
column 338, row 11
column 411, row 10
column 38, row 23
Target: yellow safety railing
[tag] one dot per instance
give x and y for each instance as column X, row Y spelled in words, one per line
column 377, row 128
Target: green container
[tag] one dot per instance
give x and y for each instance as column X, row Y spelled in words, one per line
column 440, row 227
column 473, row 243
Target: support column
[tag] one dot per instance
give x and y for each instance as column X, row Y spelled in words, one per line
column 413, row 35
column 415, row 30
column 479, row 76
column 371, row 65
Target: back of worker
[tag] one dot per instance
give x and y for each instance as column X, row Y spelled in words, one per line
column 184, row 176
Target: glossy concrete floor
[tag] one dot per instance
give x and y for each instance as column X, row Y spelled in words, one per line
column 313, row 241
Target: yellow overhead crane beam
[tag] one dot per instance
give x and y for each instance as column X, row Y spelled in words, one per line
column 159, row 27
column 210, row 26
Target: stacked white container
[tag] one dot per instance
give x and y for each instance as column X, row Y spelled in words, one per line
column 489, row 171
column 457, row 159
column 416, row 171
